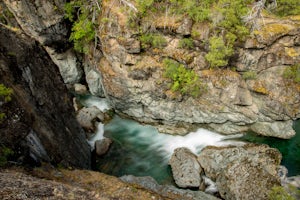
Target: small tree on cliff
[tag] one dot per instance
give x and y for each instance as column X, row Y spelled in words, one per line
column 83, row 14
column 5, row 96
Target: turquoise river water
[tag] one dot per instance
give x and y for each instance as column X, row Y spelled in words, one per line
column 142, row 151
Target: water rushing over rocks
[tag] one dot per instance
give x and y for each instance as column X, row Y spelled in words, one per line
column 142, row 151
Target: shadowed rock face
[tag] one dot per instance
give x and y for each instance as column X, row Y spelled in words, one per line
column 40, row 92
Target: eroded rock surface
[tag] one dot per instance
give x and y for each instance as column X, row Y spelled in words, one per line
column 185, row 168
column 133, row 78
column 167, row 190
column 246, row 172
column 87, row 118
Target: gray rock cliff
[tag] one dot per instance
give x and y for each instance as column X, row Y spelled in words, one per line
column 41, row 94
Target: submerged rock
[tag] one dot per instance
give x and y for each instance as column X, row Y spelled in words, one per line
column 246, row 172
column 185, row 168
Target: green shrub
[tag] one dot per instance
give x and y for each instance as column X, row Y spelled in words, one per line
column 153, row 40
column 5, row 96
column 279, row 193
column 5, row 153
column 186, row 43
column 287, row 7
column 5, row 93
column 219, row 53
column 249, row 75
column 183, row 80
column 292, row 73
column 144, row 5
column 198, row 10
column 82, row 14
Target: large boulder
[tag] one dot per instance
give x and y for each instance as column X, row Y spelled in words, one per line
column 246, row 172
column 185, row 168
column 87, row 118
column 102, row 146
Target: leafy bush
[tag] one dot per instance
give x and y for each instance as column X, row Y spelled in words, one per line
column 153, row 40
column 186, row 43
column 5, row 93
column 5, row 96
column 198, row 10
column 144, row 5
column 183, row 80
column 5, row 153
column 292, row 73
column 249, row 75
column 278, row 193
column 287, row 7
column 219, row 53
column 82, row 14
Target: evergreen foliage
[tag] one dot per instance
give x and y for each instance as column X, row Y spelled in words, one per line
column 5, row 96
column 5, row 153
column 183, row 80
column 152, row 40
column 279, row 193
column 186, row 43
column 249, row 75
column 219, row 52
column 287, row 7
column 82, row 14
column 292, row 73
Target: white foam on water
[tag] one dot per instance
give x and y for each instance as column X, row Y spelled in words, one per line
column 97, row 136
column 101, row 103
column 164, row 144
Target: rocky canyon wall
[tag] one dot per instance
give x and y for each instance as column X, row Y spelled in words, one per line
column 46, row 123
column 134, row 81
column 133, row 76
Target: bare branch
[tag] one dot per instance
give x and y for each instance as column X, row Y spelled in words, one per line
column 130, row 5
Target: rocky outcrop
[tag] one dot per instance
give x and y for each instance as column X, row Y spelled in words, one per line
column 247, row 172
column 68, row 63
column 133, row 76
column 102, row 146
column 87, row 118
column 43, row 98
column 44, row 21
column 16, row 185
column 48, row 183
column 166, row 190
column 185, row 168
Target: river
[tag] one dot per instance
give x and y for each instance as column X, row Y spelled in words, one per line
column 141, row 150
